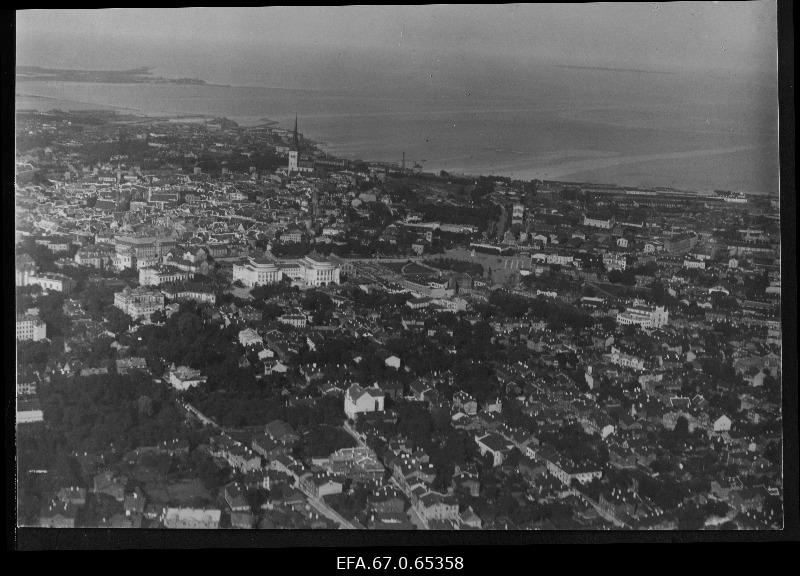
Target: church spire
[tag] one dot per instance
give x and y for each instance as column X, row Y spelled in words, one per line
column 296, row 141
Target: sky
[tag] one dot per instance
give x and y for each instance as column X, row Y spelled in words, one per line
column 658, row 36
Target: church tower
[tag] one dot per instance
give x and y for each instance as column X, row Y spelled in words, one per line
column 294, row 152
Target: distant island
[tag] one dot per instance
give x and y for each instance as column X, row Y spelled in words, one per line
column 134, row 76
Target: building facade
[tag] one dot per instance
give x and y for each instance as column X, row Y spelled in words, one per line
column 644, row 316
column 99, row 256
column 141, row 251
column 360, row 400
column 139, row 303
column 155, row 276
column 319, row 271
column 257, row 272
column 31, row 327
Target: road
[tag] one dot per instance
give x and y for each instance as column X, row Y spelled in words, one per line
column 416, row 519
column 327, row 511
column 600, row 289
column 347, row 428
column 603, row 514
column 317, row 503
column 379, row 260
column 199, row 415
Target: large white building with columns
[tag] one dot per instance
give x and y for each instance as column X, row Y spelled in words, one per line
column 319, row 271
column 311, row 270
column 257, row 272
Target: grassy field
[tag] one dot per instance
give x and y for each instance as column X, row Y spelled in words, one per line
column 503, row 268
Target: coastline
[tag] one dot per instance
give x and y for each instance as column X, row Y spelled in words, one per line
column 579, row 169
column 568, row 165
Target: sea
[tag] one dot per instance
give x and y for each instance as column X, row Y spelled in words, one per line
column 689, row 132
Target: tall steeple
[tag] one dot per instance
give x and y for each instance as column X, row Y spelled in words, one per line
column 294, row 152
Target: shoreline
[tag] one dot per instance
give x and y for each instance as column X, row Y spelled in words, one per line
column 560, row 171
column 577, row 169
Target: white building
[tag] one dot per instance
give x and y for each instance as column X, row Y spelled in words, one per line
column 50, row 282
column 319, row 271
column 97, row 256
column 139, row 303
column 693, row 264
column 199, row 294
column 296, row 320
column 625, row 360
column 257, row 272
column 604, row 223
column 453, row 304
column 566, row 475
column 25, row 267
column 31, row 327
column 311, row 270
column 518, row 213
column 644, row 316
column 189, row 518
column 722, row 424
column 29, row 411
column 360, row 400
column 155, row 276
column 183, row 378
column 560, row 259
column 249, row 337
column 392, row 362
column 141, row 251
column 298, row 164
column 291, row 236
